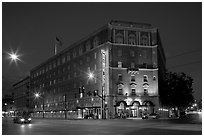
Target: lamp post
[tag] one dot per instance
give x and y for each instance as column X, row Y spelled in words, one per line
column 91, row 76
column 37, row 95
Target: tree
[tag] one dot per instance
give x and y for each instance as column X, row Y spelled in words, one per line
column 176, row 90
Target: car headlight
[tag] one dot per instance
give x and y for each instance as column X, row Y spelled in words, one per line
column 22, row 119
column 29, row 119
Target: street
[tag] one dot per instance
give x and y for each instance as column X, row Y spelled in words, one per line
column 102, row 127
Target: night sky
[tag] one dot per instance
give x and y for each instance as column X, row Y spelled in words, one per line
column 31, row 28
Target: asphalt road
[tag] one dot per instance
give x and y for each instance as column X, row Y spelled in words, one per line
column 102, row 127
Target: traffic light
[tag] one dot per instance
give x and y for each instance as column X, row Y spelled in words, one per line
column 95, row 92
column 82, row 89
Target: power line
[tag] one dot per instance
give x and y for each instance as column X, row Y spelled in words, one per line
column 184, row 53
column 195, row 62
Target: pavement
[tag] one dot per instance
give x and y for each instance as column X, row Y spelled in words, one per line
column 102, row 127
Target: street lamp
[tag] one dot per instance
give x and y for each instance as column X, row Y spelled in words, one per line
column 91, row 76
column 37, row 95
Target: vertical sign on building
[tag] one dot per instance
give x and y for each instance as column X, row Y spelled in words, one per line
column 103, row 55
column 103, row 66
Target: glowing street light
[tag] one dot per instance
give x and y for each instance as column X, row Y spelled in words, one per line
column 91, row 75
column 37, row 95
column 13, row 56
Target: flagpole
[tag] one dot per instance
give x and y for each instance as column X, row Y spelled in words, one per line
column 55, row 49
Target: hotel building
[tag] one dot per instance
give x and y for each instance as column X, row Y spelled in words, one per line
column 113, row 72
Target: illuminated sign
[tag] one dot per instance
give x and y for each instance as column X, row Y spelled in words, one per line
column 103, row 53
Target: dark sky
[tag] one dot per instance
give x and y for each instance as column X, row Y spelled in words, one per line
column 32, row 27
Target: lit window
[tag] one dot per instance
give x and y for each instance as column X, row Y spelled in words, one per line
column 120, row 78
column 95, row 55
column 145, row 91
column 133, row 91
column 95, row 67
column 120, row 90
column 119, row 64
column 132, row 77
column 145, row 78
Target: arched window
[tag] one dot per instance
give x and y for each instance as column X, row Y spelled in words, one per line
column 120, row 89
column 95, row 42
column 119, row 38
column 144, row 40
column 132, row 39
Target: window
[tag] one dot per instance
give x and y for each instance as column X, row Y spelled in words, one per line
column 75, row 74
column 132, row 39
column 120, row 90
column 95, row 42
column 132, row 53
column 132, row 65
column 95, row 67
column 58, row 62
column 95, row 55
column 63, row 60
column 120, row 78
column 80, row 50
column 145, row 78
column 145, row 91
column 88, row 69
column 119, row 53
column 54, row 64
column 68, row 57
column 144, row 53
column 88, row 46
column 144, row 40
column 133, row 91
column 119, row 38
column 80, row 62
column 119, row 64
column 132, row 77
column 74, row 54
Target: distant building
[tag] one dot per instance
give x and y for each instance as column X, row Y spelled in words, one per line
column 22, row 95
column 122, row 61
column 8, row 107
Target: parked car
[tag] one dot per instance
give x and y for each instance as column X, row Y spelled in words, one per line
column 22, row 119
column 150, row 116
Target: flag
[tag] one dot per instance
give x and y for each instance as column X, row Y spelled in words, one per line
column 58, row 42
